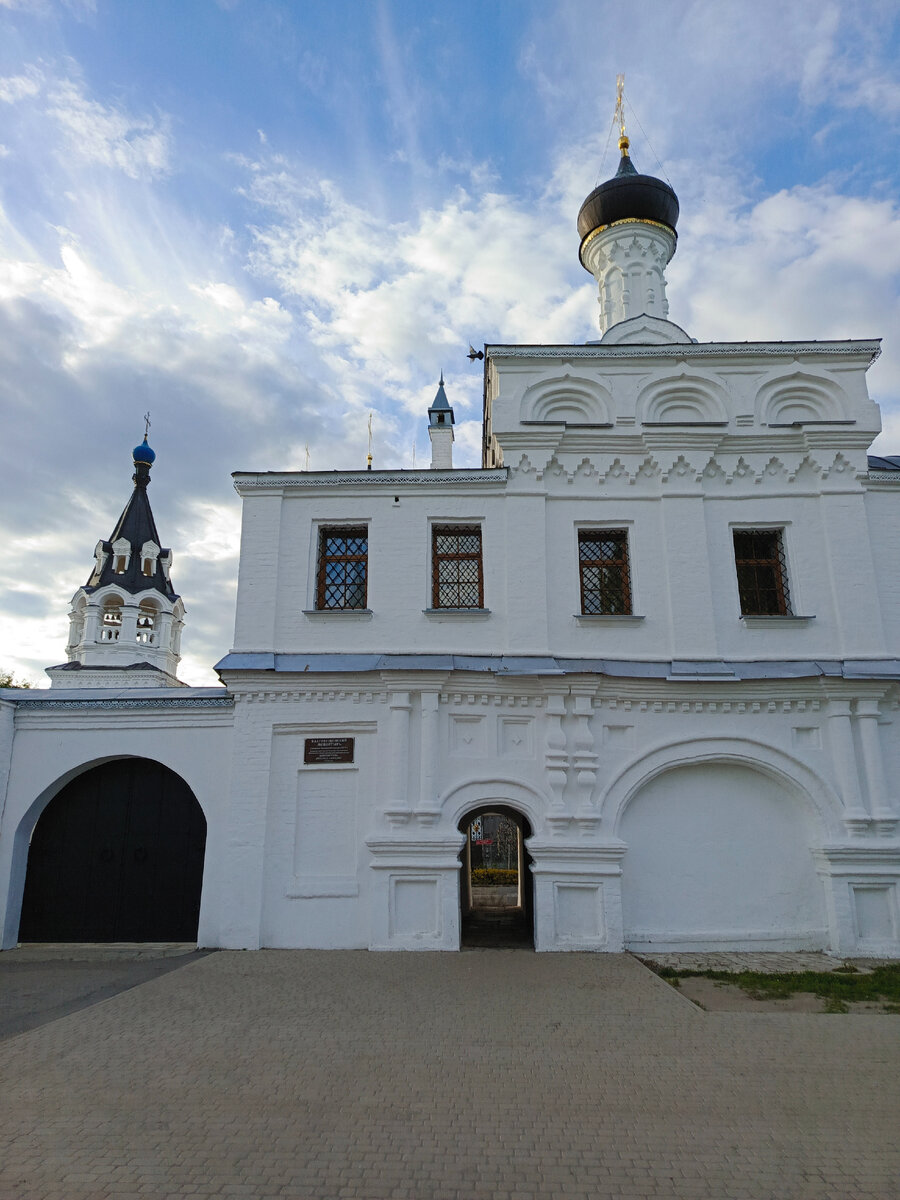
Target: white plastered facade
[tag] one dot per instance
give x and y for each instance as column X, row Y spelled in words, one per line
column 691, row 777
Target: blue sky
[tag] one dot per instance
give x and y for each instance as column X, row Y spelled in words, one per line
column 263, row 220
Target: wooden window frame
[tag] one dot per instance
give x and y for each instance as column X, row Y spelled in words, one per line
column 620, row 563
column 752, row 588
column 439, row 558
column 325, row 583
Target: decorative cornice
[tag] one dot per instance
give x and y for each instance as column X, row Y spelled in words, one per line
column 858, row 349
column 122, row 704
column 387, row 479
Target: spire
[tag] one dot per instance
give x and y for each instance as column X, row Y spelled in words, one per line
column 440, row 407
column 133, row 558
column 440, row 429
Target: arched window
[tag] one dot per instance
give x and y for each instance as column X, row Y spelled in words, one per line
column 121, row 555
column 149, row 555
column 111, row 619
column 147, row 632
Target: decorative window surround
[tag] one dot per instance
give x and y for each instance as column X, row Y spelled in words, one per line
column 121, row 550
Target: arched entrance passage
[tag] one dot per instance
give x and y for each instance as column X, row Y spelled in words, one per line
column 116, row 856
column 496, row 895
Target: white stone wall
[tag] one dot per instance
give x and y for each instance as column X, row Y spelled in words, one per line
column 679, row 444
column 54, row 742
column 682, row 569
column 690, row 815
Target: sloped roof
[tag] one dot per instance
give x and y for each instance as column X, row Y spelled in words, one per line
column 137, row 526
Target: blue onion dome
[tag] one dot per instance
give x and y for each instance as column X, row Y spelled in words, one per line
column 143, row 453
column 628, row 196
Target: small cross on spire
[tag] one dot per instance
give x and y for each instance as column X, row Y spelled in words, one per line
column 619, row 114
column 146, row 425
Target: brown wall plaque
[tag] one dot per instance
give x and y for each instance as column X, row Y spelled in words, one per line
column 328, row 750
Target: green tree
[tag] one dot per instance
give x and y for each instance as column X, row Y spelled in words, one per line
column 8, row 680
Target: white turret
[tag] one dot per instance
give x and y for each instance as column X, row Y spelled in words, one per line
column 440, row 430
column 627, row 228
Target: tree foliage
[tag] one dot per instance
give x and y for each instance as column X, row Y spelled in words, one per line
column 8, row 680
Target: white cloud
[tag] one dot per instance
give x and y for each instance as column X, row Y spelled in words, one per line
column 18, row 87
column 386, row 300
column 97, row 133
column 383, row 299
column 805, row 263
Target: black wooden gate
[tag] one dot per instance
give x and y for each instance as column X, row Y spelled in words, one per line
column 116, row 856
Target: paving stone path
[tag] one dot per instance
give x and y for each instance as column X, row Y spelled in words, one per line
column 492, row 1074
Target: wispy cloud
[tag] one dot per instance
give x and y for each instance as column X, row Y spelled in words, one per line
column 106, row 134
column 18, row 87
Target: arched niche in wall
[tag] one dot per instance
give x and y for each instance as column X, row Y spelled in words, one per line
column 567, row 399
column 799, row 399
column 682, row 400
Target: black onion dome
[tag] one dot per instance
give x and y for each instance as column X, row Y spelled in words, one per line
column 628, row 196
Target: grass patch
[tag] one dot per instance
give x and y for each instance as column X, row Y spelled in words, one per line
column 838, row 988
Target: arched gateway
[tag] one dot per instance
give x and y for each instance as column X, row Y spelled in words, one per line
column 116, row 856
column 496, row 897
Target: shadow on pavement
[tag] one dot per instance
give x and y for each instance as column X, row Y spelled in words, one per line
column 39, row 985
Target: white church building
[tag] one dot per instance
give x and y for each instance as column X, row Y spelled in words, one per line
column 658, row 628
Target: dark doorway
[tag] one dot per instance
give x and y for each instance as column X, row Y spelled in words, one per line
column 116, row 856
column 495, row 887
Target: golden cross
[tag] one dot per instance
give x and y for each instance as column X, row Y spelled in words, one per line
column 620, row 104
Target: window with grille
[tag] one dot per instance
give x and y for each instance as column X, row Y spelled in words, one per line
column 343, row 568
column 761, row 572
column 456, row 570
column 605, row 577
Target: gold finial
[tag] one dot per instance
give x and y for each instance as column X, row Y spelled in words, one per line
column 620, row 115
column 369, row 455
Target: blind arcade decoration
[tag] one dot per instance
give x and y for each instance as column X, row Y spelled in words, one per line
column 327, row 750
